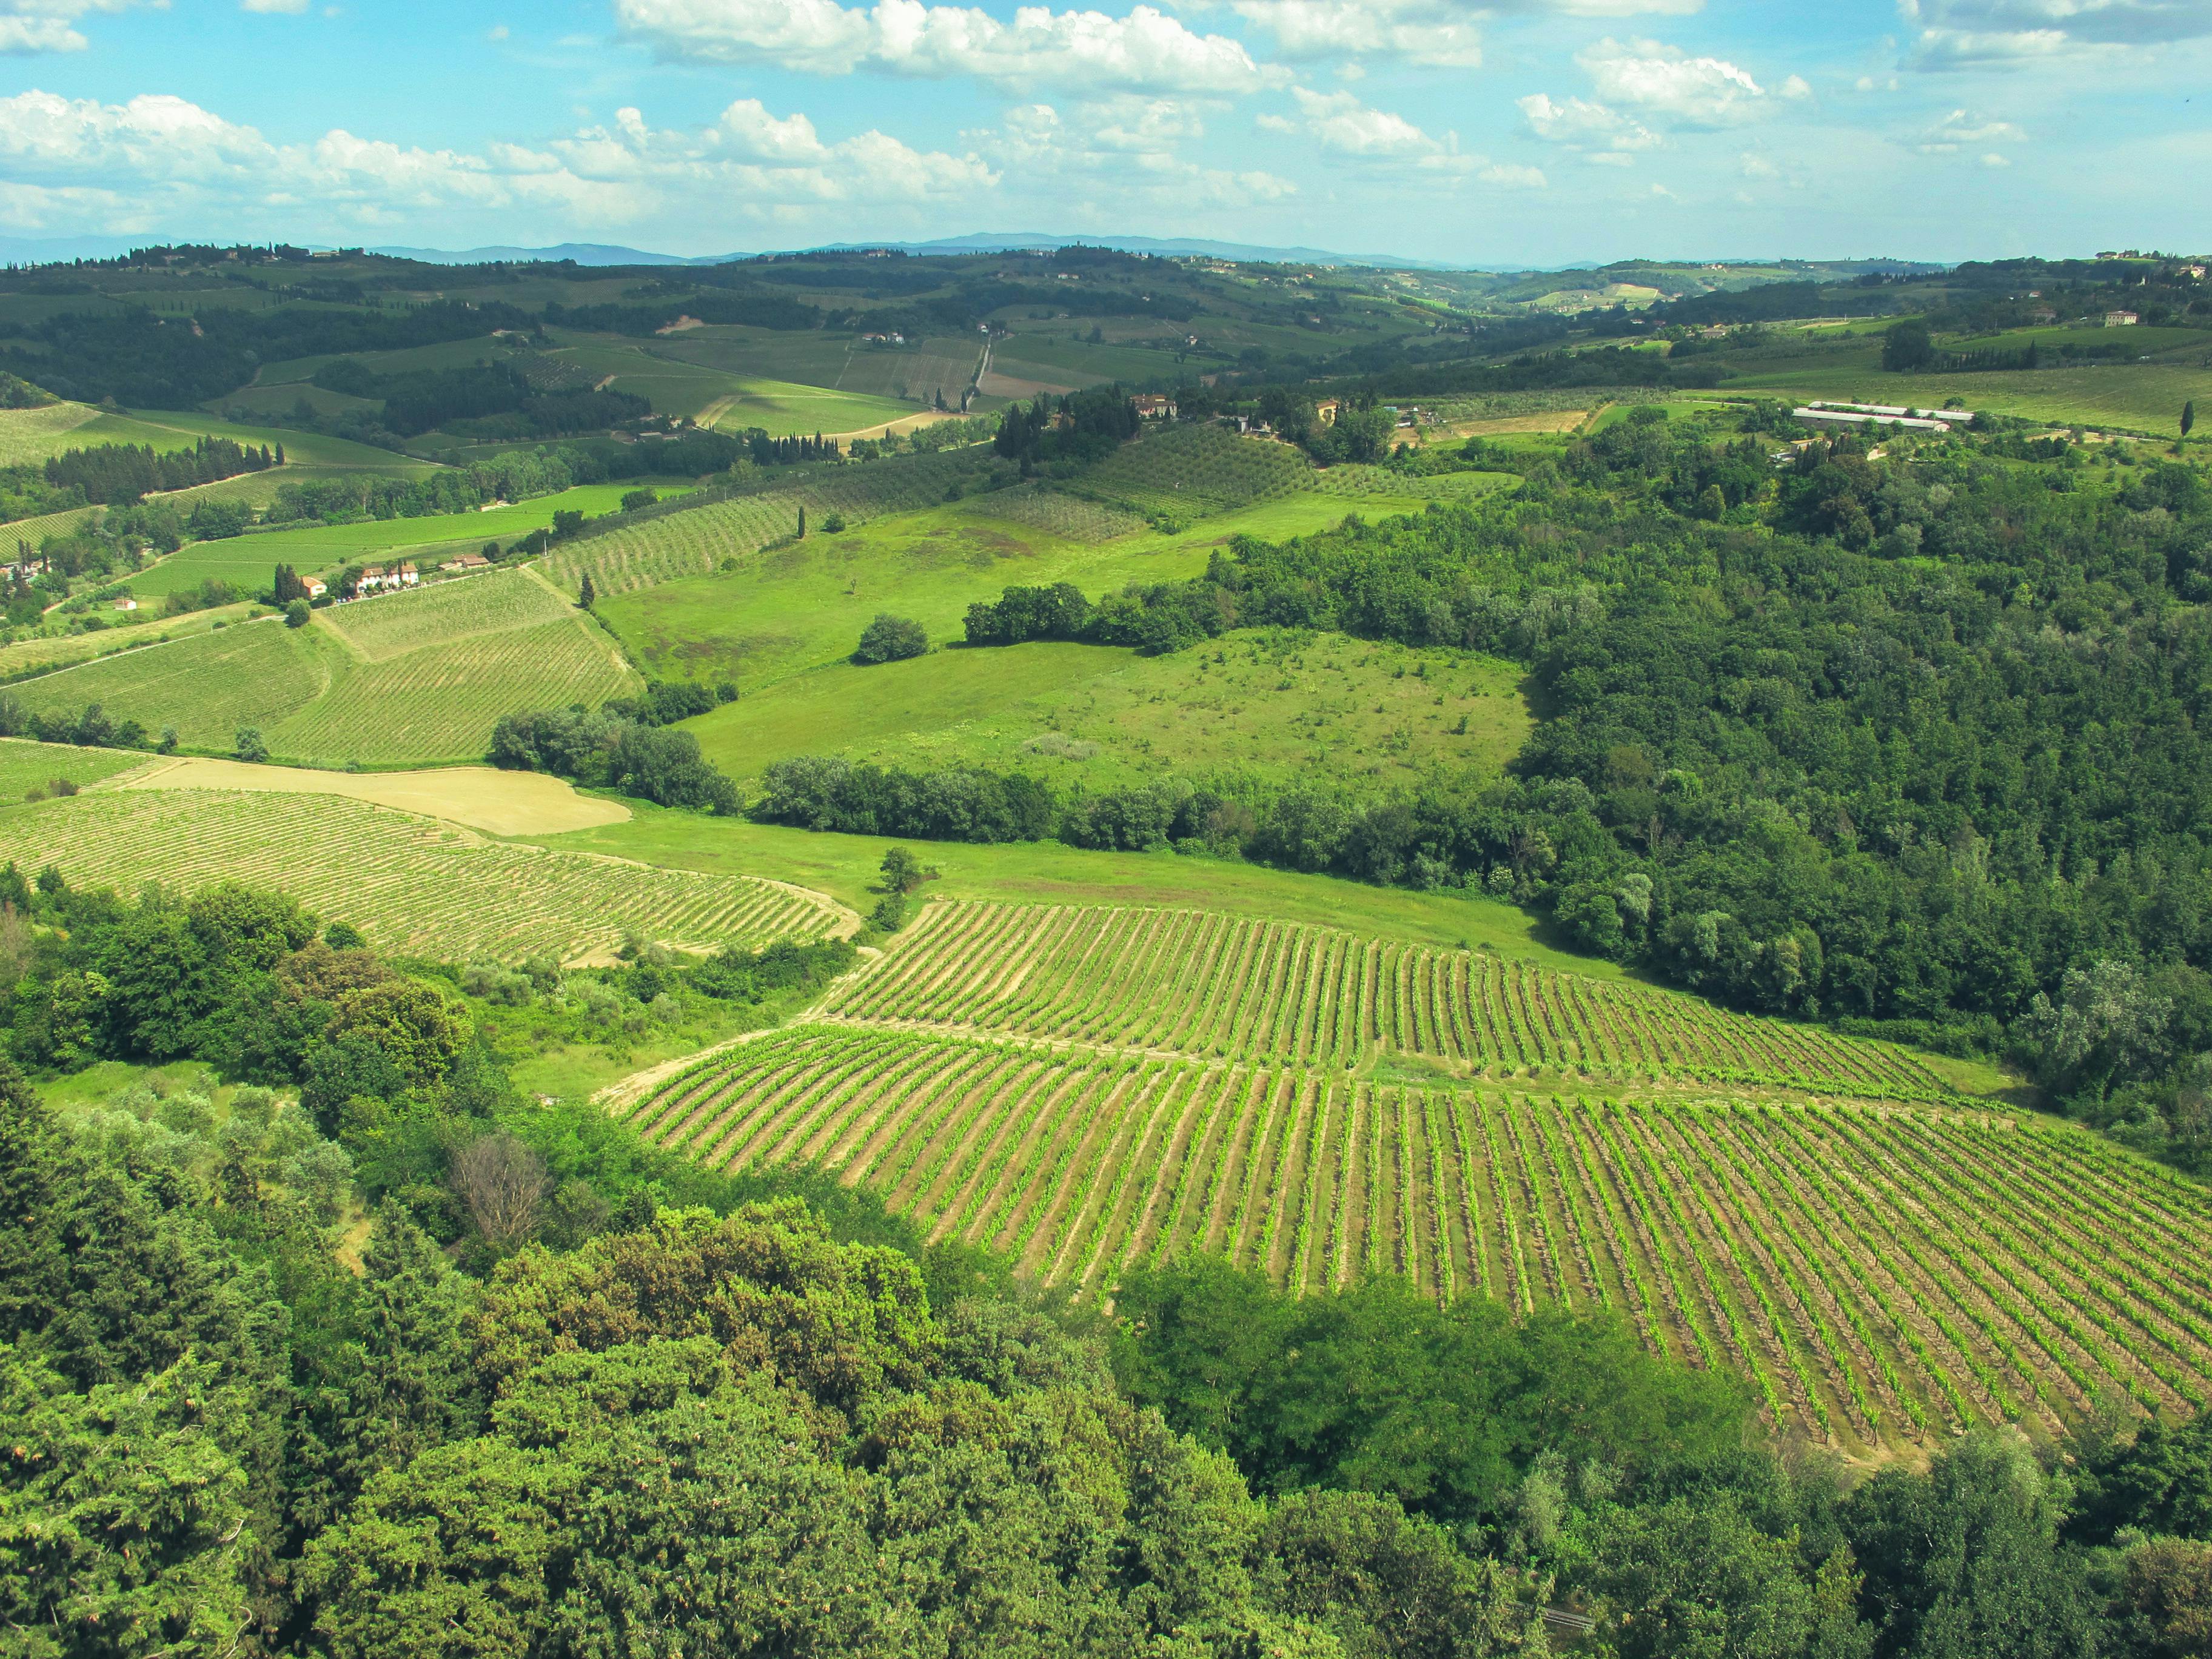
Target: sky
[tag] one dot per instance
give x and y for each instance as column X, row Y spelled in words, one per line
column 1520, row 133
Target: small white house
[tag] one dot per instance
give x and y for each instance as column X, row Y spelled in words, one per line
column 126, row 605
column 2121, row 319
column 313, row 586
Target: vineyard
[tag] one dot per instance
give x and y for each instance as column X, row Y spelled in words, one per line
column 411, row 677
column 1185, row 471
column 412, row 886
column 1185, row 983
column 1054, row 512
column 1878, row 1275
column 698, row 541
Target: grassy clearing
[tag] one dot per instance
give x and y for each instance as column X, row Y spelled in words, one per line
column 413, row 886
column 26, row 765
column 1322, row 710
column 479, row 797
column 801, row 607
column 1046, row 872
column 396, row 680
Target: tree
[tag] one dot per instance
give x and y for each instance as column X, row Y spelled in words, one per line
column 249, row 746
column 502, row 1182
column 1907, row 345
column 585, row 593
column 802, row 523
column 2188, row 417
column 296, row 614
column 903, row 872
column 890, row 639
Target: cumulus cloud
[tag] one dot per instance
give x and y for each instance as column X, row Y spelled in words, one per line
column 1580, row 125
column 1124, row 149
column 294, row 8
column 1338, row 124
column 1678, row 89
column 31, row 26
column 1507, row 177
column 1434, row 32
column 163, row 157
column 1145, row 50
column 1954, row 33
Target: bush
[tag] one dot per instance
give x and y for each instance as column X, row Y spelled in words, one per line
column 251, row 748
column 296, row 614
column 636, row 498
column 890, row 639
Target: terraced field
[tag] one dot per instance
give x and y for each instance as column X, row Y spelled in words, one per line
column 1880, row 1275
column 421, row 676
column 413, row 886
column 1182, row 981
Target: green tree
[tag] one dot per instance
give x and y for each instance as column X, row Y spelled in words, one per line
column 296, row 614
column 890, row 639
column 586, row 594
column 2188, row 417
column 1907, row 345
column 249, row 746
column 125, row 1528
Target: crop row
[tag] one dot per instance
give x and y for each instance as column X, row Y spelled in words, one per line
column 411, row 884
column 1056, row 511
column 698, row 541
column 1189, row 982
column 1197, row 469
column 389, row 625
column 441, row 703
column 1874, row 1275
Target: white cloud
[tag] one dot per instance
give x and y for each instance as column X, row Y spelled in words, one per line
column 1675, row 89
column 293, row 7
column 1145, row 50
column 1432, row 32
column 1580, row 125
column 1954, row 32
column 1959, row 129
column 31, row 26
column 160, row 158
column 1340, row 124
column 496, row 32
column 1124, row 149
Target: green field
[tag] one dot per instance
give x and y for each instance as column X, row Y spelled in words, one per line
column 48, row 433
column 1318, row 709
column 247, row 562
column 26, row 765
column 393, row 680
column 47, row 652
column 802, row 607
column 717, row 397
column 2135, row 396
column 411, row 884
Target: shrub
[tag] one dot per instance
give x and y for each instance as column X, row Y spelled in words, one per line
column 890, row 639
column 251, row 748
column 296, row 614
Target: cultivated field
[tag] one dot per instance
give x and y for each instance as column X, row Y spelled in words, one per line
column 411, row 884
column 480, row 797
column 1185, row 983
column 420, row 676
column 1880, row 1275
column 25, row 765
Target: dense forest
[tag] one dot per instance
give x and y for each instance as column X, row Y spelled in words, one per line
column 366, row 1353
column 1915, row 745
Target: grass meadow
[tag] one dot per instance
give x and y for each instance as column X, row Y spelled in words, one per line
column 1318, row 709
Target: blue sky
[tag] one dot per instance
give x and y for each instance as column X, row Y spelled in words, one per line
column 1524, row 131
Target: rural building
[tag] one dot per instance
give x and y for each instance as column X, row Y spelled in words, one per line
column 378, row 577
column 1922, row 421
column 1325, row 411
column 126, row 605
column 2121, row 319
column 1151, row 406
column 313, row 586
column 468, row 561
